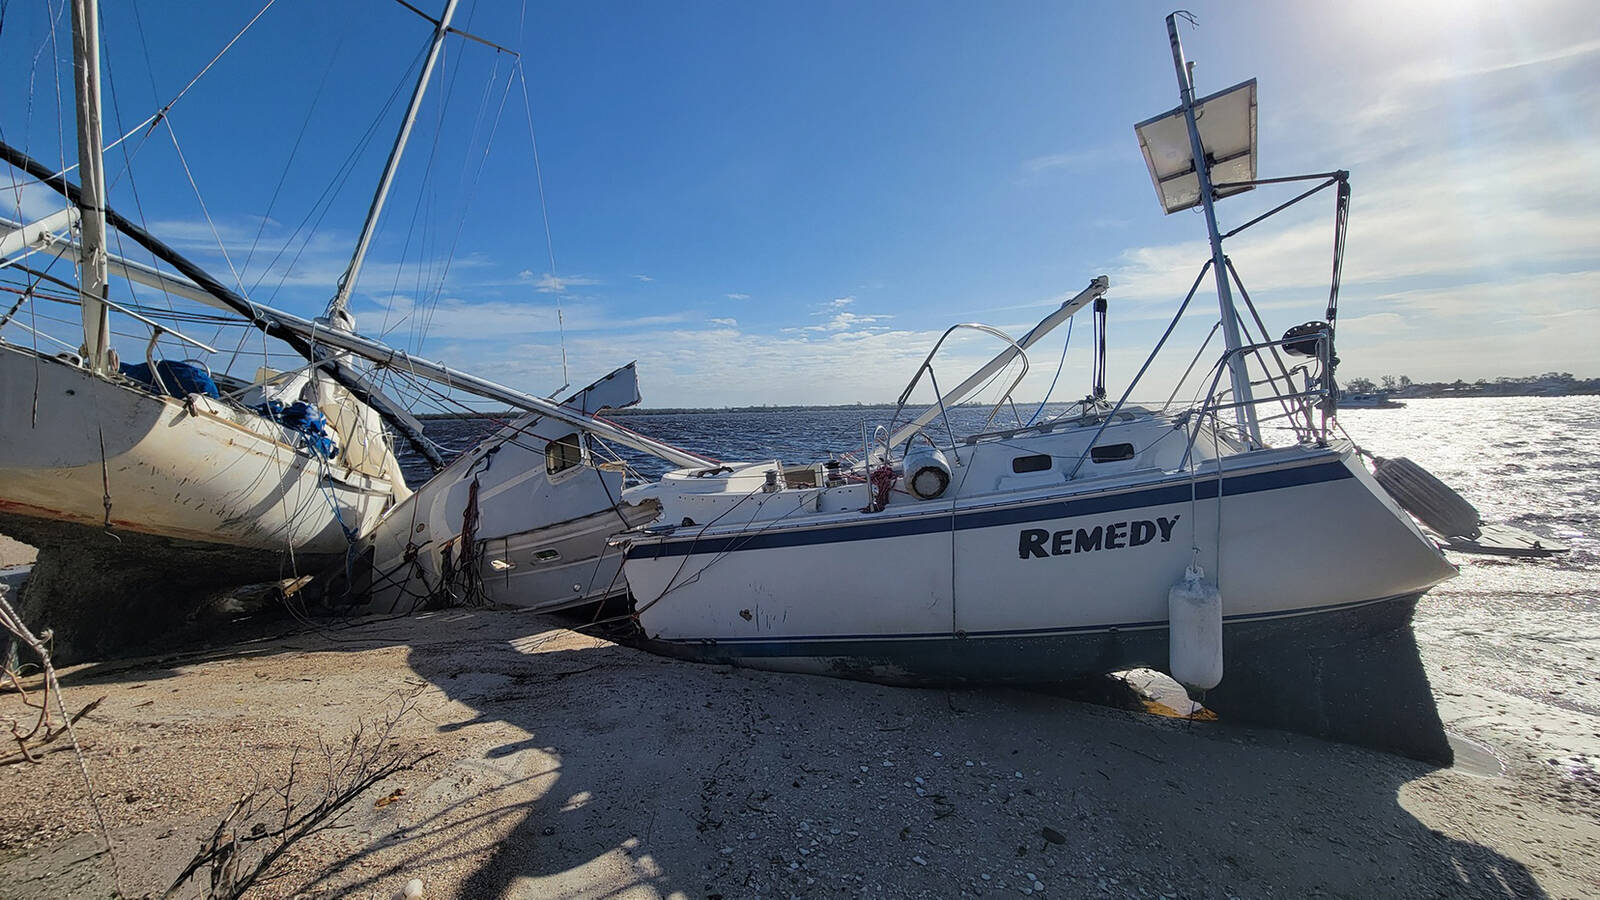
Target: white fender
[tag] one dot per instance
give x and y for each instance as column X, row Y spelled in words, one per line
column 1194, row 613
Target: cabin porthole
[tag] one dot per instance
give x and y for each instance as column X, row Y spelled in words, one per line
column 1111, row 453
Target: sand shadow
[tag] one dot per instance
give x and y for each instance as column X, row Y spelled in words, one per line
column 645, row 776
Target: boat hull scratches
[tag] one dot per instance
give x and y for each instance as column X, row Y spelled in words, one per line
column 1351, row 673
column 181, row 469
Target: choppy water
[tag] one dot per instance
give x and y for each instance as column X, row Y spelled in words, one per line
column 1510, row 645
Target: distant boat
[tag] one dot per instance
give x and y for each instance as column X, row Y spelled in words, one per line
column 1377, row 400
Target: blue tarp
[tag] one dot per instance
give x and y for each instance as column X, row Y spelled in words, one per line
column 304, row 418
column 180, row 378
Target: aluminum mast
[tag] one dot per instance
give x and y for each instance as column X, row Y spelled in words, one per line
column 1238, row 366
column 336, row 313
column 93, row 280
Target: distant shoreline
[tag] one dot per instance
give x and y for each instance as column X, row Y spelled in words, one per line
column 667, row 410
column 1473, row 391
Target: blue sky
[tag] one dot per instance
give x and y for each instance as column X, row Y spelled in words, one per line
column 786, row 203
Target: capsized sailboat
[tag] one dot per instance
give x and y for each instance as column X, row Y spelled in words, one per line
column 1110, row 537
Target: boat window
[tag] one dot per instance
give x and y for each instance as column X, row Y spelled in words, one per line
column 1037, row 463
column 563, row 453
column 1111, row 453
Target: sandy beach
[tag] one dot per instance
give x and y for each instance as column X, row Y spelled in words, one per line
column 567, row 766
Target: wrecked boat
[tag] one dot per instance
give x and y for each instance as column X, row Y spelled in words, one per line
column 1110, row 537
column 147, row 486
column 155, row 475
column 522, row 519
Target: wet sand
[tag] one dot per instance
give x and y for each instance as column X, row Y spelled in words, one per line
column 571, row 767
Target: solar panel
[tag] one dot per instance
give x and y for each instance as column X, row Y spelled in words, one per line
column 1227, row 124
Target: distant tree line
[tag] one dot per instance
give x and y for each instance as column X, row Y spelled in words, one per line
column 1550, row 383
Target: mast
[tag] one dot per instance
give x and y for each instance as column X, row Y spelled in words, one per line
column 93, row 279
column 336, row 313
column 312, row 339
column 1239, row 370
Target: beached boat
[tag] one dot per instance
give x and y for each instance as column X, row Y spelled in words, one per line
column 524, row 518
column 1110, row 537
column 134, row 476
column 147, row 486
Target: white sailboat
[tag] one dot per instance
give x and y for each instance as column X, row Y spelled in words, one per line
column 139, row 479
column 149, row 490
column 1107, row 538
column 522, row 519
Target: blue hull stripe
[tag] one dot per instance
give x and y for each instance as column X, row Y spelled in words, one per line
column 938, row 522
column 796, row 644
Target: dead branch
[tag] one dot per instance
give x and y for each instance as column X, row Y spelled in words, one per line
column 262, row 825
column 44, row 719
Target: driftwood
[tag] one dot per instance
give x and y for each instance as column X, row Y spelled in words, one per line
column 49, row 720
column 267, row 820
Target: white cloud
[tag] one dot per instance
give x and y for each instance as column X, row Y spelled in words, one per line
column 1517, row 326
column 737, row 296
column 729, row 323
column 1510, row 58
column 701, row 367
column 28, row 202
column 456, row 319
column 1070, row 160
column 845, row 321
column 645, row 278
column 549, row 283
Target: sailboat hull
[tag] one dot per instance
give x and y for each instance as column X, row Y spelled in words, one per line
column 540, row 528
column 134, row 499
column 1313, row 561
column 1299, row 532
column 82, row 450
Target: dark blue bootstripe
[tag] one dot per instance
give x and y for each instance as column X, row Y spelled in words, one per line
column 851, row 644
column 936, row 522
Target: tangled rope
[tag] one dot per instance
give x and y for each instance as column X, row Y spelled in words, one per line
column 883, row 479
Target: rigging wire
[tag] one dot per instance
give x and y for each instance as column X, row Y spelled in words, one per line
column 544, row 208
column 171, row 132
column 133, row 187
column 477, row 180
column 324, row 203
column 294, row 151
column 427, row 286
column 55, row 53
column 1050, row 390
column 162, row 113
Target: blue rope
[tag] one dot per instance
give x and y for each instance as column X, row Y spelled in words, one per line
column 1064, row 345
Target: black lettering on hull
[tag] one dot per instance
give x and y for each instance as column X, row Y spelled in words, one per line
column 1038, row 543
